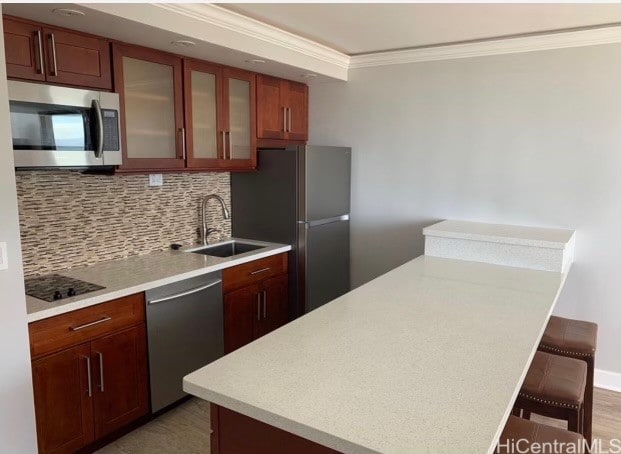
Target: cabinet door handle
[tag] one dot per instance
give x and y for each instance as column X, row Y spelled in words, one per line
column 264, row 304
column 54, row 63
column 262, row 270
column 86, row 325
column 223, row 144
column 88, row 375
column 259, row 306
column 230, row 144
column 40, row 47
column 101, row 371
column 284, row 119
column 289, row 115
column 183, row 149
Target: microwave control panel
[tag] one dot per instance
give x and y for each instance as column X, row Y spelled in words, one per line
column 111, row 129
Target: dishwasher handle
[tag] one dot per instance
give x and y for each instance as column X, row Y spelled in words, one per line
column 186, row 293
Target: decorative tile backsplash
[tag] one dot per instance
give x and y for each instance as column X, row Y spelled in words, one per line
column 68, row 219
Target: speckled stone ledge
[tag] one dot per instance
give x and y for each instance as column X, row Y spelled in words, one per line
column 524, row 247
column 139, row 273
column 427, row 358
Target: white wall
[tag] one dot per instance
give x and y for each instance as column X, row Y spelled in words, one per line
column 17, row 427
column 530, row 139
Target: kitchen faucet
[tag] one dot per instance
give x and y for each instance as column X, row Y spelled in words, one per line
column 225, row 214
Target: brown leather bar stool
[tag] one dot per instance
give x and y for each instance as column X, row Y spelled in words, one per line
column 554, row 387
column 519, row 434
column 574, row 339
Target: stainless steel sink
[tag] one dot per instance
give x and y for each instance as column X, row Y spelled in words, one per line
column 227, row 249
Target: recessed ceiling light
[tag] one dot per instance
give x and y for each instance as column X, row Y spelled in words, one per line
column 68, row 12
column 257, row 61
column 183, row 43
column 309, row 75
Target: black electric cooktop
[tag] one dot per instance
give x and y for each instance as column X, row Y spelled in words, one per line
column 54, row 287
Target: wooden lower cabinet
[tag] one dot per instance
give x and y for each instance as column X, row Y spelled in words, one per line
column 241, row 316
column 234, row 433
column 276, row 302
column 255, row 310
column 87, row 391
column 120, row 381
column 64, row 410
column 260, row 306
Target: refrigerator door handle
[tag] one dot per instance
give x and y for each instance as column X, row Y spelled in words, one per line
column 344, row 217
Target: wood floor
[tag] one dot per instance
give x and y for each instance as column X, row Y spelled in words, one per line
column 185, row 429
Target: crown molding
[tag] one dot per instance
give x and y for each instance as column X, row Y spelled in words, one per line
column 559, row 40
column 252, row 28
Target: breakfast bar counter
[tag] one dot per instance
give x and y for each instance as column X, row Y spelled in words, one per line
column 428, row 357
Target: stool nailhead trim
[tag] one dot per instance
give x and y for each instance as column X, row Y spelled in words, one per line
column 549, row 402
column 565, row 352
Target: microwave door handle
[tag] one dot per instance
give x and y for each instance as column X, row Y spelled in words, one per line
column 100, row 128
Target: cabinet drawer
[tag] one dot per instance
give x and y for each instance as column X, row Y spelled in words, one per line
column 248, row 273
column 82, row 325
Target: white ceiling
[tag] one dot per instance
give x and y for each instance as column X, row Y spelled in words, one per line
column 357, row 28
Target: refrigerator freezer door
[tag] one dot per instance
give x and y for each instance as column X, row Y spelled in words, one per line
column 325, row 180
column 264, row 203
column 324, row 254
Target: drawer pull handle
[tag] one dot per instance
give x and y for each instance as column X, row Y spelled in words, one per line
column 86, row 325
column 262, row 270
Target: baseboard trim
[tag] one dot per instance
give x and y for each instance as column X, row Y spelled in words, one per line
column 607, row 380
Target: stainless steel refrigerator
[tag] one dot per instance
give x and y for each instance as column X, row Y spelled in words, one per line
column 300, row 196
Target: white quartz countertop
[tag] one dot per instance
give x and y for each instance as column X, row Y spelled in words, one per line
column 427, row 358
column 501, row 233
column 139, row 273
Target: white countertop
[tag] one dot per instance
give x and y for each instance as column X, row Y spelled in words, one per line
column 426, row 358
column 139, row 273
column 501, row 233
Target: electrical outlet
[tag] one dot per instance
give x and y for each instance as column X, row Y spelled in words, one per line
column 3, row 260
column 156, row 179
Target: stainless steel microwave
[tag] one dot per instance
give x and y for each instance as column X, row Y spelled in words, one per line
column 64, row 127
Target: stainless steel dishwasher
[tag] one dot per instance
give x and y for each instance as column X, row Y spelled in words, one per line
column 185, row 330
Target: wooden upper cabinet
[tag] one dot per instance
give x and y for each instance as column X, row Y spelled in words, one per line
column 239, row 119
column 282, row 109
column 184, row 113
column 270, row 108
column 204, row 112
column 149, row 83
column 23, row 46
column 77, row 59
column 297, row 113
column 120, row 383
column 63, row 403
column 41, row 53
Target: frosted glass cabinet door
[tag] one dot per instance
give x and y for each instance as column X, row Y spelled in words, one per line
column 150, row 86
column 203, row 109
column 239, row 119
column 239, row 96
column 204, row 120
